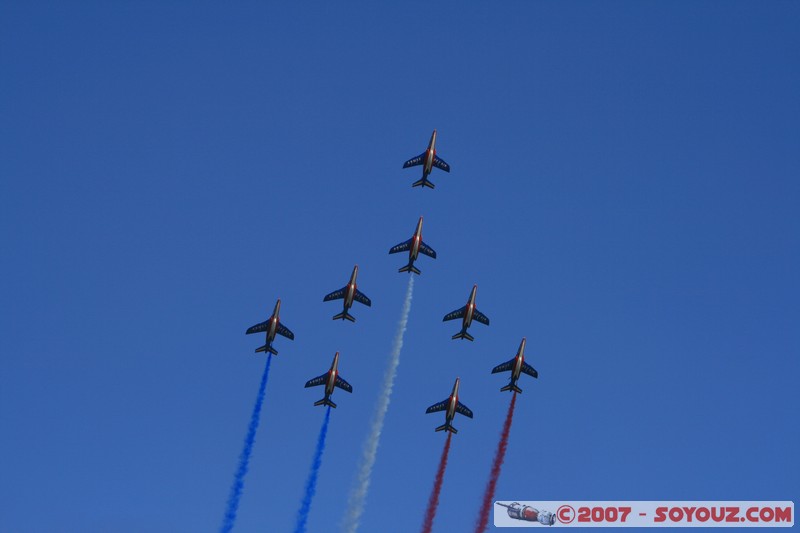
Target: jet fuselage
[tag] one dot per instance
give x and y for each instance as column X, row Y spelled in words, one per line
column 274, row 320
column 470, row 310
column 451, row 406
column 519, row 360
column 413, row 253
column 430, row 155
column 331, row 381
column 351, row 289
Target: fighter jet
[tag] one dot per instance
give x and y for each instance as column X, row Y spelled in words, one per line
column 428, row 159
column 452, row 406
column 414, row 246
column 330, row 379
column 467, row 313
column 272, row 326
column 349, row 293
column 517, row 365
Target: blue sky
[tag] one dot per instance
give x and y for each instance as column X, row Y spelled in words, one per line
column 624, row 191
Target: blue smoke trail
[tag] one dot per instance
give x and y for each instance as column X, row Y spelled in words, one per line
column 311, row 482
column 244, row 458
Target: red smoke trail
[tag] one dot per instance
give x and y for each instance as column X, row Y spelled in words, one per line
column 488, row 495
column 433, row 500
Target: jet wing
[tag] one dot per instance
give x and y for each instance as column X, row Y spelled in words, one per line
column 258, row 328
column 335, row 295
column 463, row 409
column 362, row 298
column 528, row 369
column 342, row 384
column 441, row 406
column 319, row 380
column 504, row 367
column 427, row 250
column 480, row 317
column 458, row 313
column 402, row 247
column 439, row 163
column 286, row 332
column 414, row 161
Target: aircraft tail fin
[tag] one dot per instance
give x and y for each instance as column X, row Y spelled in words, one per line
column 463, row 335
column 267, row 348
column 344, row 316
column 511, row 387
column 447, row 427
column 411, row 268
column 423, row 183
column 325, row 401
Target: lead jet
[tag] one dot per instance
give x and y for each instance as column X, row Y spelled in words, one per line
column 428, row 159
column 330, row 379
column 517, row 366
column 467, row 313
column 349, row 293
column 272, row 326
column 452, row 406
column 414, row 246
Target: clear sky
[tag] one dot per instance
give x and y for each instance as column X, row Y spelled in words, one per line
column 624, row 191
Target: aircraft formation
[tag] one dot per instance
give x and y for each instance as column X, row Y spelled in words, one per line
column 350, row 294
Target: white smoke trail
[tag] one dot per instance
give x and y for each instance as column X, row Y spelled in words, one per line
column 358, row 496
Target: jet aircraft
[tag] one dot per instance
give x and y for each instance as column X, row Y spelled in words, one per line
column 467, row 313
column 348, row 293
column 414, row 246
column 272, row 326
column 428, row 159
column 517, row 366
column 330, row 379
column 452, row 406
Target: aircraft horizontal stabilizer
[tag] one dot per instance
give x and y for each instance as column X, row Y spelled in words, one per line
column 266, row 348
column 463, row 335
column 511, row 387
column 423, row 183
column 447, row 427
column 325, row 401
column 344, row 316
column 410, row 268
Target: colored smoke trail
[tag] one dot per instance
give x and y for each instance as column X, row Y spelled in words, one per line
column 499, row 456
column 244, row 458
column 311, row 482
column 433, row 500
column 358, row 496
